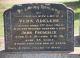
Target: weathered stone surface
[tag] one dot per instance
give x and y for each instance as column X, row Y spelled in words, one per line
column 39, row 27
column 37, row 55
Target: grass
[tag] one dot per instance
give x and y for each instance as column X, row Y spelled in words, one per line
column 2, row 8
column 6, row 6
column 77, row 10
column 76, row 27
column 1, row 25
column 76, row 21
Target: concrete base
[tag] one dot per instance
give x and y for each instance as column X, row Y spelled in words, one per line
column 45, row 54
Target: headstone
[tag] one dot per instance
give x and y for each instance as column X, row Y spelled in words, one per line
column 39, row 27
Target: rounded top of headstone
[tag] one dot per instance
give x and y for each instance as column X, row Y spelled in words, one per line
column 38, row 4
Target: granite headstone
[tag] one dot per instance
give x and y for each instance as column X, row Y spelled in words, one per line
column 39, row 27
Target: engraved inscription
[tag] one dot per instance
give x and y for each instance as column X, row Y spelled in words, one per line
column 39, row 27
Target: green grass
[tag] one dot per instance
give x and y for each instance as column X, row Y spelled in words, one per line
column 76, row 27
column 76, row 20
column 77, row 10
column 2, row 8
column 1, row 25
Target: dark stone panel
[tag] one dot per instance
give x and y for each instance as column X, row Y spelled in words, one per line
column 39, row 27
